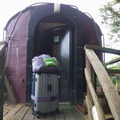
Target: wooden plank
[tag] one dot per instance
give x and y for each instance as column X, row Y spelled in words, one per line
column 113, row 71
column 89, row 100
column 10, row 115
column 8, row 108
column 2, row 60
column 2, row 47
column 3, row 74
column 60, row 116
column 108, row 116
column 113, row 61
column 94, row 96
column 9, row 90
column 103, row 49
column 89, row 108
column 77, row 115
column 108, row 87
column 49, row 117
column 2, row 42
column 2, row 92
column 68, row 115
column 21, row 113
column 28, row 115
column 1, row 98
column 6, row 103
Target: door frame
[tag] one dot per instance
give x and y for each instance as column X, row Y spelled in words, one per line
column 73, row 15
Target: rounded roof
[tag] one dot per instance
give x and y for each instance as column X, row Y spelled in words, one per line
column 87, row 22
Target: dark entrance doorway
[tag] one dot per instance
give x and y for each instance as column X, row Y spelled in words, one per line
column 61, row 39
column 55, row 40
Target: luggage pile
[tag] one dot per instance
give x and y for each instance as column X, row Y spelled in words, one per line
column 45, row 64
column 45, row 84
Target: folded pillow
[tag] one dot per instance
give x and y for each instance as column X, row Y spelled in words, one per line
column 49, row 62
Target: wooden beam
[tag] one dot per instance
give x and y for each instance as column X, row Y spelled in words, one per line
column 103, row 49
column 1, row 98
column 2, row 92
column 9, row 90
column 88, row 103
column 2, row 47
column 2, row 42
column 2, row 73
column 113, row 61
column 94, row 96
column 113, row 71
column 89, row 100
column 108, row 116
column 10, row 115
column 108, row 87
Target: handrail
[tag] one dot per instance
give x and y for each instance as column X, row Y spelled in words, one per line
column 113, row 61
column 108, row 87
column 103, row 49
column 2, row 73
column 2, row 92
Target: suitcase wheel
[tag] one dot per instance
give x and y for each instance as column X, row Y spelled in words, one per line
column 57, row 111
column 38, row 116
column 33, row 113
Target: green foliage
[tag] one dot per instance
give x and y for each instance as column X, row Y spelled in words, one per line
column 115, row 66
column 116, row 81
column 118, row 1
column 110, row 14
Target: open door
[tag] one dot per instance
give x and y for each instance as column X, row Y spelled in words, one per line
column 65, row 65
column 60, row 40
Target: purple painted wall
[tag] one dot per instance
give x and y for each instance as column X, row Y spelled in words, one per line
column 16, row 55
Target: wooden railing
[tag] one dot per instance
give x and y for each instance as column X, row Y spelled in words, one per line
column 94, row 67
column 2, row 73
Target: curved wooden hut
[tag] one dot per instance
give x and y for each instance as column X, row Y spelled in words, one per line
column 58, row 30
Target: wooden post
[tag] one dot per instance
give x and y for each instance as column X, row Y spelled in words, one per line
column 9, row 90
column 2, row 93
column 89, row 100
column 108, row 87
column 89, row 107
column 94, row 96
column 2, row 73
column 1, row 97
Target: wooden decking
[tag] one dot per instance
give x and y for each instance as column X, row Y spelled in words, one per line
column 23, row 112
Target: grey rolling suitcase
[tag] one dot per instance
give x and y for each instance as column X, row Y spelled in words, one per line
column 45, row 98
